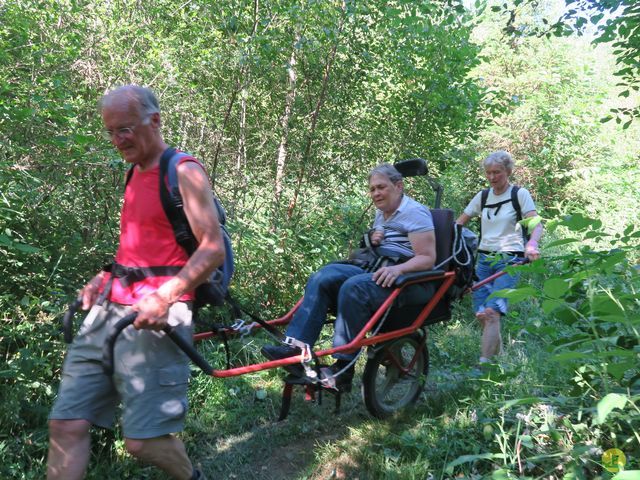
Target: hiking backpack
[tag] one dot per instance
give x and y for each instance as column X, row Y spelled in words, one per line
column 215, row 290
column 516, row 206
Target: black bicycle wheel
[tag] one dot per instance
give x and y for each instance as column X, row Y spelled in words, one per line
column 396, row 375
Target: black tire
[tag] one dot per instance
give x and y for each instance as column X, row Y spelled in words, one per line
column 385, row 389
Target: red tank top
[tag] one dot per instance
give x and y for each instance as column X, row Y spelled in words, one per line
column 146, row 237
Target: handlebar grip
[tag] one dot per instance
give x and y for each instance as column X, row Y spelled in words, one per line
column 67, row 320
column 188, row 350
column 109, row 344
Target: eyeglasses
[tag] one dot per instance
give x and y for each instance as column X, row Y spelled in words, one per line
column 124, row 131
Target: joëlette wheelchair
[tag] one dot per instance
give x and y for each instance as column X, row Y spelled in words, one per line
column 395, row 336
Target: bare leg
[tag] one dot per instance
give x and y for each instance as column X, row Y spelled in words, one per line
column 482, row 318
column 491, row 338
column 69, row 443
column 166, row 452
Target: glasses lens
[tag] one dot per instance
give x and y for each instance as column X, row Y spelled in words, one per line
column 106, row 134
column 123, row 132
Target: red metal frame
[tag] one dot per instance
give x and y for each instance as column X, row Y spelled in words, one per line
column 361, row 340
column 405, row 371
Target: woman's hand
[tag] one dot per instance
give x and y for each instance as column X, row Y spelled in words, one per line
column 387, row 276
column 376, row 237
column 531, row 250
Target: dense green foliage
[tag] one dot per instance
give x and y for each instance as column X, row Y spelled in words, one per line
column 617, row 22
column 289, row 104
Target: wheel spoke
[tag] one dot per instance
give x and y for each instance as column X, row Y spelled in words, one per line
column 392, row 377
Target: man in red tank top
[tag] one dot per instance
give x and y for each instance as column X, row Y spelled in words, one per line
column 151, row 373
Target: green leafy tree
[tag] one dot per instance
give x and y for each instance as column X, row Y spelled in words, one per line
column 614, row 22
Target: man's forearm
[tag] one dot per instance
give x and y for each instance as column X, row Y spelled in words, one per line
column 196, row 271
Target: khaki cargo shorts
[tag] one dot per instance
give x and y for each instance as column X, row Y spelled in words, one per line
column 150, row 377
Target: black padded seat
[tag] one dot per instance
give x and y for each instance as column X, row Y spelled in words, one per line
column 413, row 299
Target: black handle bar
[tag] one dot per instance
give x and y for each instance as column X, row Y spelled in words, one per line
column 67, row 320
column 107, row 350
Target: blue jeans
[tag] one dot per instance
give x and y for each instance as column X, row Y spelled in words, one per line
column 488, row 265
column 358, row 297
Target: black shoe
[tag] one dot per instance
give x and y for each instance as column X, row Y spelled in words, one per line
column 278, row 352
column 197, row 475
column 339, row 381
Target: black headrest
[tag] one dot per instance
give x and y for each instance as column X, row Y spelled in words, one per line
column 412, row 167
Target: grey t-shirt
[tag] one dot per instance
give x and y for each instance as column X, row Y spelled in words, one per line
column 410, row 217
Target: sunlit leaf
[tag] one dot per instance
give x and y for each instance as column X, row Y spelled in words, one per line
column 515, row 295
column 563, row 241
column 577, row 222
column 627, row 475
column 468, row 458
column 531, row 222
column 608, row 403
column 618, row 369
column 570, row 356
column 522, row 401
column 501, row 474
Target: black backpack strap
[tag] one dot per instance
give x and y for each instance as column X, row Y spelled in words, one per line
column 516, row 206
column 129, row 175
column 172, row 200
column 483, row 201
column 516, row 201
column 483, row 198
column 128, row 275
column 513, row 199
column 497, row 207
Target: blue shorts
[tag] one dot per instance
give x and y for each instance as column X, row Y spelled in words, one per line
column 486, row 266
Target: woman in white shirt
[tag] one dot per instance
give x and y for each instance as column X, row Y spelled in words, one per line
column 502, row 243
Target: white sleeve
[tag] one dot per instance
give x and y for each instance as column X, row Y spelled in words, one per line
column 473, row 209
column 526, row 202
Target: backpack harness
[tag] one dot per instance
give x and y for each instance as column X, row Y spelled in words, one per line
column 516, row 206
column 371, row 258
column 212, row 292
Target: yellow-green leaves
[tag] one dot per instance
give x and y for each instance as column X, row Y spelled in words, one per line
column 531, row 222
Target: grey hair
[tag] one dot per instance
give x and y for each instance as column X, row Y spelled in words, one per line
column 388, row 171
column 143, row 97
column 501, row 158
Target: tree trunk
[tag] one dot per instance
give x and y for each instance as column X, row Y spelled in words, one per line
column 316, row 113
column 284, row 132
column 227, row 115
column 241, row 154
